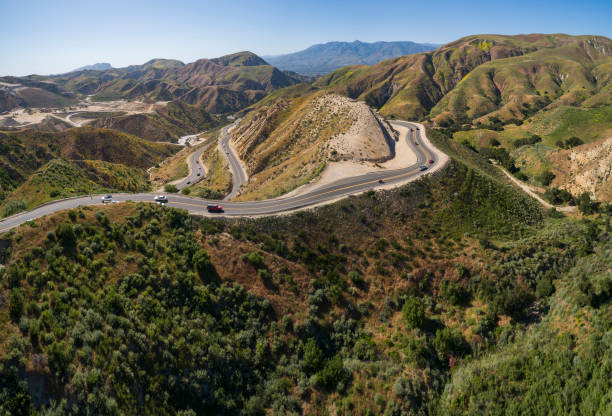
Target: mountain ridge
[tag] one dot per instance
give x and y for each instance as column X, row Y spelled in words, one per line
column 325, row 57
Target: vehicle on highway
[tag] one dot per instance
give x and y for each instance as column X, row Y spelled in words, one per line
column 188, row 182
column 214, row 208
column 422, row 167
column 106, row 199
column 162, row 199
column 198, row 174
column 431, row 161
column 380, row 181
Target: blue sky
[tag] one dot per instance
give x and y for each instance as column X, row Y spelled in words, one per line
column 56, row 36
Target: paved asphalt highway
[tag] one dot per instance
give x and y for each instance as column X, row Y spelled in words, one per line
column 196, row 172
column 327, row 193
column 238, row 173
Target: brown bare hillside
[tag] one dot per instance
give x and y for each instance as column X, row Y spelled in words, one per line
column 289, row 142
column 586, row 168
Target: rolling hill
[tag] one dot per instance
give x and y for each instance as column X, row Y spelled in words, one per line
column 82, row 156
column 219, row 85
column 166, row 123
column 324, row 58
column 484, row 76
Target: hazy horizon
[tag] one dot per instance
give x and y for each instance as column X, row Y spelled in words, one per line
column 42, row 38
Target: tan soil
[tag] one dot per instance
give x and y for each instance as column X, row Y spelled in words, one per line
column 586, row 168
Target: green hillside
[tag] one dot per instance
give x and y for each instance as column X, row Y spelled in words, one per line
column 422, row 311
column 481, row 76
column 37, row 166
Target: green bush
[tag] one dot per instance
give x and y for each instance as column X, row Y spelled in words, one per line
column 313, row 356
column 171, row 188
column 546, row 177
column 256, row 259
column 13, row 207
column 16, row 304
column 333, row 374
column 413, row 311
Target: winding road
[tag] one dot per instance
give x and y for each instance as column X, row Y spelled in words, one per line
column 239, row 176
column 322, row 195
column 196, row 172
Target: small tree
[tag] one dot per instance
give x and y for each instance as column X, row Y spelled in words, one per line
column 414, row 312
column 313, row 356
column 171, row 188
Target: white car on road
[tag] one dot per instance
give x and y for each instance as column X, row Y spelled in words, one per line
column 162, row 199
column 106, row 199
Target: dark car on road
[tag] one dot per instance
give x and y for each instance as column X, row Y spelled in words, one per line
column 422, row 167
column 214, row 208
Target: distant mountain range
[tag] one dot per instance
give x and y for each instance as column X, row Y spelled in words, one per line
column 327, row 57
column 101, row 66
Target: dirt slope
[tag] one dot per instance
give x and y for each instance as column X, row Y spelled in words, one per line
column 288, row 143
column 586, row 168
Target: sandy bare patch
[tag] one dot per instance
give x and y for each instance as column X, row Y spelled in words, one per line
column 404, row 157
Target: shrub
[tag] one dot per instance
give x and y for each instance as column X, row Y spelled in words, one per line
column 171, row 188
column 365, row 349
column 13, row 207
column 313, row 356
column 65, row 236
column 521, row 176
column 185, row 191
column 558, row 196
column 449, row 343
column 202, row 263
column 333, row 374
column 16, row 304
column 546, row 177
column 265, row 276
column 573, row 142
column 585, row 205
column 413, row 311
column 455, row 292
column 355, row 277
column 256, row 259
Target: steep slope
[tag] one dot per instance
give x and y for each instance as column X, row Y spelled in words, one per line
column 288, row 142
column 387, row 303
column 167, row 123
column 22, row 153
column 327, row 57
column 586, row 168
column 450, row 84
column 16, row 93
column 62, row 179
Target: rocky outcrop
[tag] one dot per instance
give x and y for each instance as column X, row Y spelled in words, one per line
column 586, row 168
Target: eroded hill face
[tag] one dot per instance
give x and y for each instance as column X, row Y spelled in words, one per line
column 289, row 142
column 484, row 76
column 166, row 123
column 586, row 168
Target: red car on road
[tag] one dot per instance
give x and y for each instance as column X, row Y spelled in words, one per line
column 214, row 208
column 431, row 161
